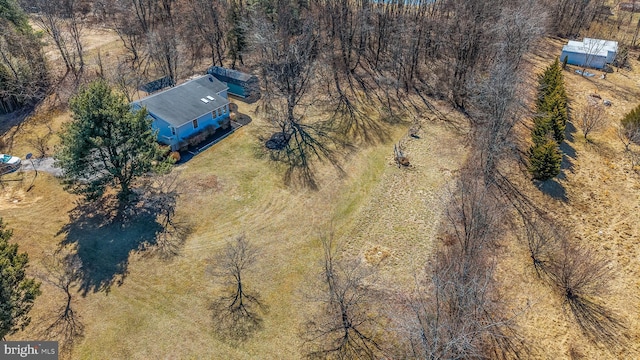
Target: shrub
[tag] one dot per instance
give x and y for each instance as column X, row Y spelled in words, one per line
column 631, row 122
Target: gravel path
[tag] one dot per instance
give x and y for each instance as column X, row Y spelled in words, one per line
column 44, row 164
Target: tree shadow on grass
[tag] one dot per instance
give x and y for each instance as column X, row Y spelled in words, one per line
column 103, row 238
column 237, row 324
column 10, row 125
column 568, row 152
column 554, row 189
column 569, row 132
column 565, row 166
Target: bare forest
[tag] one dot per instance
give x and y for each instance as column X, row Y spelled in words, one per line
column 337, row 79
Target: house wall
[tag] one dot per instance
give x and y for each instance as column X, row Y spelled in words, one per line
column 209, row 119
column 580, row 59
column 236, row 89
column 163, row 135
column 163, row 128
column 164, row 131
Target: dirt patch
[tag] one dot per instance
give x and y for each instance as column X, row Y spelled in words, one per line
column 202, row 183
column 11, row 197
column 376, row 255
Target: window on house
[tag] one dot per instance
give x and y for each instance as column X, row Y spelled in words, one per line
column 173, row 130
column 195, row 123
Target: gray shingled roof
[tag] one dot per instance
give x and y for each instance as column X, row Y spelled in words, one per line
column 182, row 104
column 229, row 74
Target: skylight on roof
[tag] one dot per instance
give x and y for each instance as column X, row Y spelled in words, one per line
column 210, row 97
column 204, row 100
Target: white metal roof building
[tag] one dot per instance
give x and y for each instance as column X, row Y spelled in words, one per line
column 593, row 53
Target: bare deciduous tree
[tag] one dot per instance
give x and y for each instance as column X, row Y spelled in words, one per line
column 63, row 270
column 543, row 240
column 163, row 49
column 238, row 313
column 496, row 99
column 130, row 30
column 207, row 18
column 60, row 19
column 347, row 326
column 41, row 142
column 456, row 311
column 581, row 276
column 448, row 317
column 160, row 195
column 591, row 118
column 570, row 17
column 23, row 70
column 288, row 63
column 629, row 136
column 126, row 79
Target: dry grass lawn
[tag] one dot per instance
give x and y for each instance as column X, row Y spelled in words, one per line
column 597, row 196
column 385, row 215
column 159, row 309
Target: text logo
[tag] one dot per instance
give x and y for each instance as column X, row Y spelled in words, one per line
column 35, row 350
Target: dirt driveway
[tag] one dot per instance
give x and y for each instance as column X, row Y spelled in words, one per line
column 44, row 164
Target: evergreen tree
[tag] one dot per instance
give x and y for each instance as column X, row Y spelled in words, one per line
column 105, row 145
column 555, row 107
column 23, row 72
column 545, row 160
column 17, row 291
column 631, row 125
column 549, row 127
column 631, row 119
column 549, row 82
column 10, row 10
column 542, row 129
column 236, row 37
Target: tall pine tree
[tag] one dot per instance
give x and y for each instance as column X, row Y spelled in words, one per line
column 552, row 100
column 550, row 123
column 631, row 125
column 17, row 291
column 545, row 160
column 105, row 145
column 632, row 118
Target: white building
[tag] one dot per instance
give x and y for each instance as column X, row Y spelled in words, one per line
column 593, row 53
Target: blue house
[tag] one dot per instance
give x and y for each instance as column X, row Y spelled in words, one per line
column 187, row 110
